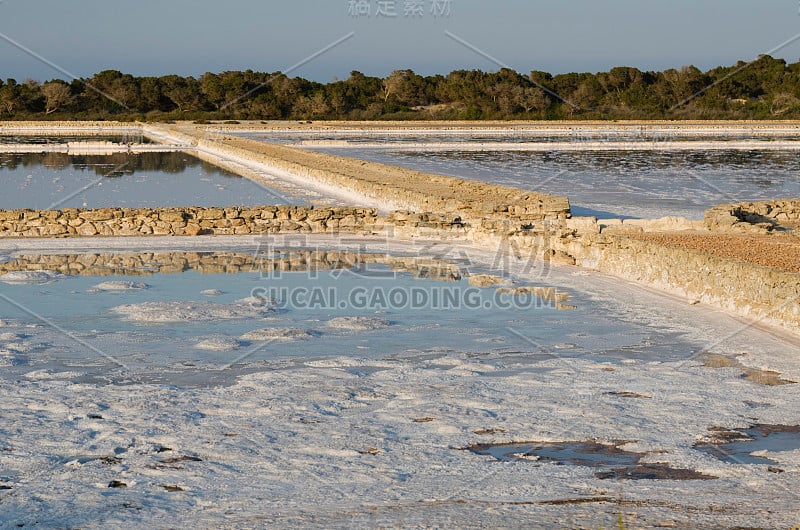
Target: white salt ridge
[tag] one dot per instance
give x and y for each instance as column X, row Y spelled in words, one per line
column 18, row 347
column 256, row 301
column 691, row 145
column 218, row 344
column 167, row 312
column 358, row 323
column 46, row 375
column 277, row 334
column 305, row 183
column 119, row 286
column 30, row 277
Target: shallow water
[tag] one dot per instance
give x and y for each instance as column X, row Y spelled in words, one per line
column 136, row 317
column 59, row 180
column 771, row 438
column 646, row 184
column 577, row 453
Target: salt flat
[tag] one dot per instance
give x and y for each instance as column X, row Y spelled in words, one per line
column 349, row 440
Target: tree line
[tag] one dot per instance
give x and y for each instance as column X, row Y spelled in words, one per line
column 766, row 88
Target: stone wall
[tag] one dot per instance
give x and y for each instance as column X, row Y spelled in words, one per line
column 608, row 226
column 759, row 293
column 764, row 294
column 189, row 221
column 754, row 216
column 393, row 187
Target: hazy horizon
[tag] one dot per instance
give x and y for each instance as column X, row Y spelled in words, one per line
column 184, row 37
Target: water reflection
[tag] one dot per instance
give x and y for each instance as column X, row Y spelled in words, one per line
column 268, row 264
column 149, row 179
column 167, row 162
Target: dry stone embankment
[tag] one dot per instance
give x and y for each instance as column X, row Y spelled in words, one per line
column 393, row 187
column 189, row 221
column 754, row 216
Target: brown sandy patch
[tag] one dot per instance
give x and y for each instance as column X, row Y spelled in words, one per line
column 762, row 377
column 777, row 251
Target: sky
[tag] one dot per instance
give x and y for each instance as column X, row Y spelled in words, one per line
column 324, row 40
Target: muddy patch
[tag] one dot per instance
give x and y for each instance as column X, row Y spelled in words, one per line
column 653, row 472
column 743, row 446
column 762, row 377
column 629, row 395
column 613, row 462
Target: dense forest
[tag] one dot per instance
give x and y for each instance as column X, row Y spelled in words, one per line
column 766, row 88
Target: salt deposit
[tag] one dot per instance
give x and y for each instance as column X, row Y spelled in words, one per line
column 166, row 312
column 358, row 323
column 218, row 344
column 277, row 334
column 255, row 302
column 29, row 277
column 119, row 286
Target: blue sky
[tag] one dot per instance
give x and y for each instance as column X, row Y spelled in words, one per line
column 190, row 37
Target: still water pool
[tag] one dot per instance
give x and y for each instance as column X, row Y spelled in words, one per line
column 59, row 180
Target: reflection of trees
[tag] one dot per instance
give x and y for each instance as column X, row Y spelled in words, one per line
column 14, row 161
column 56, row 160
column 120, row 163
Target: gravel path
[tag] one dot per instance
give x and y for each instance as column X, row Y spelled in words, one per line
column 779, row 251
